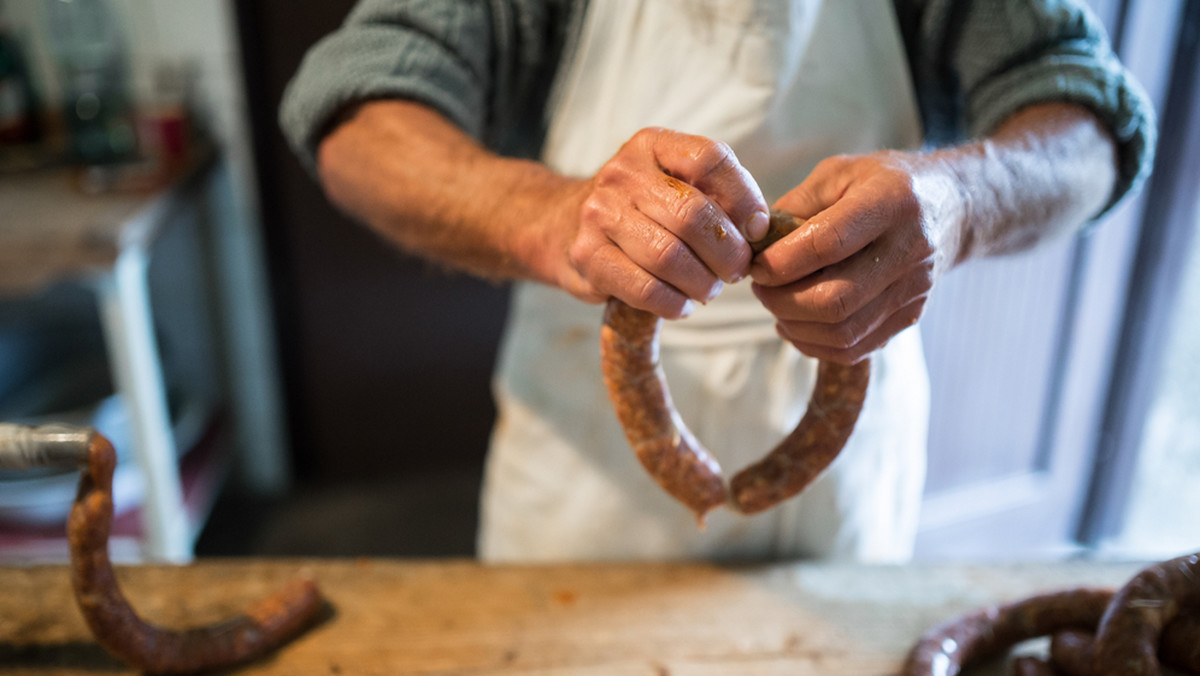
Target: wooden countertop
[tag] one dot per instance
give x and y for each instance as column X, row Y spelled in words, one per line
column 461, row 617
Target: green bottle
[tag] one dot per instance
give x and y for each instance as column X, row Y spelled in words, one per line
column 87, row 44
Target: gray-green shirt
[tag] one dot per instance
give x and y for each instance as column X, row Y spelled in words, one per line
column 489, row 66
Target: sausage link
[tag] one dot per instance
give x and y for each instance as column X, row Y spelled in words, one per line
column 1179, row 647
column 671, row 454
column 1128, row 637
column 791, row 466
column 263, row 627
column 1074, row 654
column 985, row 633
column 638, row 388
column 1158, row 611
column 1032, row 666
column 1071, row 652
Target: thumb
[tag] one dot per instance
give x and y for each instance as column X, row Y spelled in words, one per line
column 824, row 186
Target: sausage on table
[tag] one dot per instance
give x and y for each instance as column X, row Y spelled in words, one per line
column 263, row 627
column 1095, row 632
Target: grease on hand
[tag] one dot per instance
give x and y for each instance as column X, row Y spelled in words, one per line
column 681, row 188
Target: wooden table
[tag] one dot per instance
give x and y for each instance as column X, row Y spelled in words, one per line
column 460, row 617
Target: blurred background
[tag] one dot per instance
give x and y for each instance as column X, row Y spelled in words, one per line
column 281, row 382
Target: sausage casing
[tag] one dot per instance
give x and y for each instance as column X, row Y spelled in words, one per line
column 261, row 628
column 672, row 455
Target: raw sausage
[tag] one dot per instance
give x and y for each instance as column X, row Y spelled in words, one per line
column 263, row 627
column 1179, row 647
column 1031, row 666
column 1156, row 615
column 638, row 389
column 833, row 409
column 1071, row 652
column 672, row 455
column 988, row 632
column 1128, row 637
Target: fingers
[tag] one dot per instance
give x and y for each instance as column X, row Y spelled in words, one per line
column 713, row 169
column 664, row 223
column 695, row 219
column 849, row 202
column 697, row 189
column 617, row 262
column 850, row 309
column 863, row 332
column 859, row 270
column 852, row 354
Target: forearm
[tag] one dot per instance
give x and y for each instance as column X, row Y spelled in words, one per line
column 883, row 227
column 427, row 187
column 1046, row 171
column 660, row 225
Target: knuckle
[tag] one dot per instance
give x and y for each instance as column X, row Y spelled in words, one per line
column 838, row 239
column 824, row 243
column 834, row 305
column 697, row 214
column 651, row 293
column 920, row 279
column 669, row 252
column 844, row 336
column 712, row 157
column 579, row 254
column 648, row 133
column 592, row 211
column 616, row 171
column 926, row 272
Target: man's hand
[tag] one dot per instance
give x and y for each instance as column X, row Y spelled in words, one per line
column 664, row 223
column 859, row 271
column 884, row 227
column 661, row 225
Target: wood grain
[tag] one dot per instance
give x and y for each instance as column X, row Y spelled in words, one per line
column 461, row 617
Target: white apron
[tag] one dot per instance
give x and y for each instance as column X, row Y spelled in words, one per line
column 786, row 84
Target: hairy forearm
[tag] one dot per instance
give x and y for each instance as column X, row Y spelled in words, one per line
column 1044, row 173
column 424, row 185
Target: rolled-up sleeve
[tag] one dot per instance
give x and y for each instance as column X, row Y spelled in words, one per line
column 431, row 51
column 977, row 63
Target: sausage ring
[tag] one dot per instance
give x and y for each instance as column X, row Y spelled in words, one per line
column 1155, row 616
column 1128, row 639
column 670, row 453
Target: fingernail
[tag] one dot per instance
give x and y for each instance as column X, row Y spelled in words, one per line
column 756, row 227
column 715, row 291
column 688, row 308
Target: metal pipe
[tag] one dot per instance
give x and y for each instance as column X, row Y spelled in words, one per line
column 53, row 445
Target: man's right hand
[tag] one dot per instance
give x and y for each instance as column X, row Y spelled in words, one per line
column 659, row 226
column 665, row 222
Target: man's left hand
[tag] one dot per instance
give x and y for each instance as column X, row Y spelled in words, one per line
column 881, row 229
